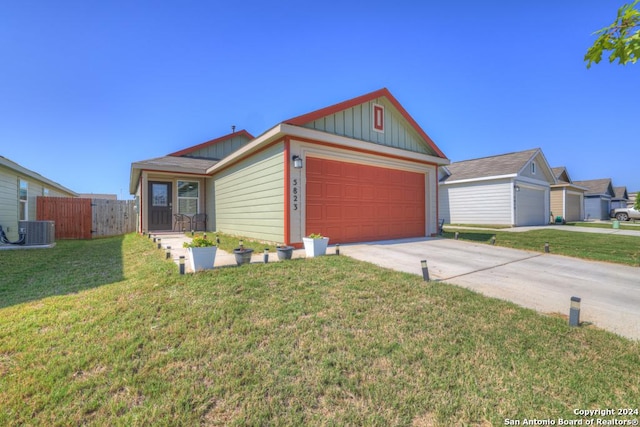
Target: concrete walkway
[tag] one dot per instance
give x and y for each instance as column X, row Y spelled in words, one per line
column 544, row 282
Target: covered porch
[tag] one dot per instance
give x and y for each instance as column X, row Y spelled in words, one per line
column 171, row 194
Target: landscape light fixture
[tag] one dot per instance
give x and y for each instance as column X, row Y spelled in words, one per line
column 574, row 312
column 297, row 162
column 425, row 270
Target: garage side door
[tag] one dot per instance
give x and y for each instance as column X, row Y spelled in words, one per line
column 349, row 202
column 530, row 208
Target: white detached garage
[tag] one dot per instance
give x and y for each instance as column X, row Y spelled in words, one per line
column 508, row 189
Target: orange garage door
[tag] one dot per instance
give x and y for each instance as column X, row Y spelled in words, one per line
column 349, row 202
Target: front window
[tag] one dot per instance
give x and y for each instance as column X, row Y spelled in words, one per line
column 188, row 197
column 23, row 198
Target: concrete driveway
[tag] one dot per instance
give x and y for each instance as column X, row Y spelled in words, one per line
column 545, row 282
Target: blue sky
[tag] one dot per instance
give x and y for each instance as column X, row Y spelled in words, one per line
column 87, row 88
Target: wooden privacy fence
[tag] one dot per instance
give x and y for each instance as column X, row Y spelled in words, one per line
column 79, row 218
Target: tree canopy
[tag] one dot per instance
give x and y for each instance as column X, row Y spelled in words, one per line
column 622, row 38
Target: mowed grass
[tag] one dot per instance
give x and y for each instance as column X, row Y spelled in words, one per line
column 598, row 247
column 322, row 341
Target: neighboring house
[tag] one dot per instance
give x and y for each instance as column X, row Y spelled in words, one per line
column 99, row 196
column 567, row 198
column 620, row 198
column 508, row 189
column 597, row 198
column 19, row 188
column 360, row 170
column 632, row 199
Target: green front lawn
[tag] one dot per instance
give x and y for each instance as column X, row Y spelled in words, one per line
column 122, row 339
column 598, row 247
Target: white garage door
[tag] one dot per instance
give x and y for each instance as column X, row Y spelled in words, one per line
column 574, row 207
column 531, row 207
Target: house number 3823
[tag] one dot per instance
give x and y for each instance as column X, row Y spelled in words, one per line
column 295, row 193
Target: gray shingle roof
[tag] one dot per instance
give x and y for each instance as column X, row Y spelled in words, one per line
column 596, row 186
column 504, row 164
column 560, row 173
column 620, row 193
column 182, row 164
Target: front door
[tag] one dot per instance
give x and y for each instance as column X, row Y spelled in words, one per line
column 159, row 205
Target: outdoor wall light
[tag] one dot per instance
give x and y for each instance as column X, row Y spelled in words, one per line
column 297, row 162
column 517, row 187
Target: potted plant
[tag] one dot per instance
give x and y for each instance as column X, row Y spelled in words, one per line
column 315, row 244
column 243, row 255
column 202, row 253
column 284, row 252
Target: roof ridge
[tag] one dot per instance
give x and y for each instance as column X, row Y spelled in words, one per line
column 497, row 155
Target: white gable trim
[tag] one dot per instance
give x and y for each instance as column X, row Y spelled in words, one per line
column 486, row 178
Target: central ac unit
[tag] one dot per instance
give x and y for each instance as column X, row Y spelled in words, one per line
column 37, row 232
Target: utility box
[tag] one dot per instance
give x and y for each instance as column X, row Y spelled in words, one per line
column 37, row 232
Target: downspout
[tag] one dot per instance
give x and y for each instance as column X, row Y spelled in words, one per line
column 437, row 181
column 141, row 230
column 287, row 191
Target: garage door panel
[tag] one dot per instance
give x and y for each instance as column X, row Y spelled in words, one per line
column 333, row 191
column 367, row 192
column 314, row 212
column 364, row 202
column 530, row 207
column 314, row 190
column 351, row 191
column 331, row 169
column 333, row 212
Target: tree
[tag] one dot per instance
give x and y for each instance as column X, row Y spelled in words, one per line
column 637, row 204
column 622, row 38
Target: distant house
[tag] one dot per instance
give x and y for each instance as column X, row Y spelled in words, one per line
column 19, row 188
column 567, row 198
column 507, row 189
column 597, row 198
column 102, row 196
column 359, row 170
column 620, row 198
column 632, row 198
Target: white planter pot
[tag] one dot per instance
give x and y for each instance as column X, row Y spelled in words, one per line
column 202, row 258
column 315, row 247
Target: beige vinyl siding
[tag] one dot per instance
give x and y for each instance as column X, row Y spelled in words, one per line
column 478, row 203
column 355, row 122
column 557, row 203
column 249, row 196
